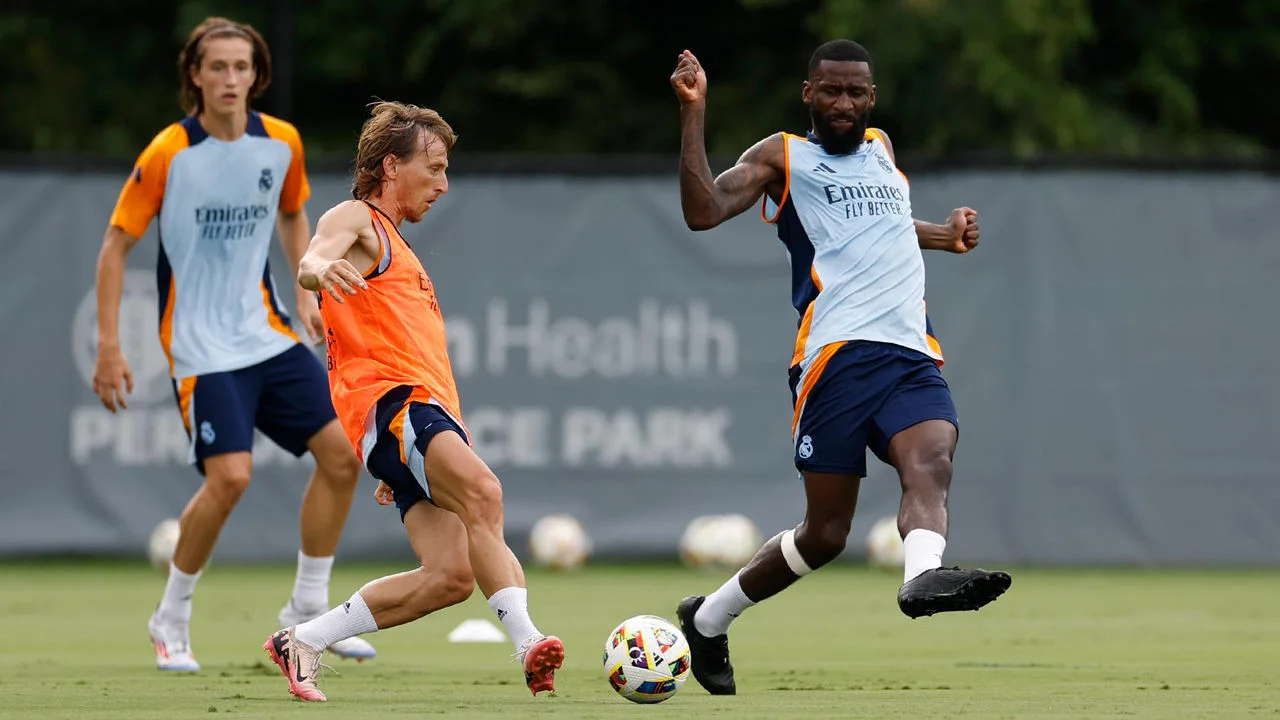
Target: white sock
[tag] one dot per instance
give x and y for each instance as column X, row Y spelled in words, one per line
column 175, row 606
column 512, row 606
column 349, row 619
column 722, row 607
column 921, row 550
column 311, row 586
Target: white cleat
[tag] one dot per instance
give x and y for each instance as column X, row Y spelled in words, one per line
column 352, row 648
column 173, row 647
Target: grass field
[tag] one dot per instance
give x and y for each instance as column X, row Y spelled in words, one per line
column 1060, row 644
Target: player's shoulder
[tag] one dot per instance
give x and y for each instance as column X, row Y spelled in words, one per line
column 874, row 134
column 347, row 214
column 280, row 129
column 169, row 141
column 769, row 150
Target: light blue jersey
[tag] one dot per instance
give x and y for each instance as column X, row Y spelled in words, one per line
column 217, row 203
column 857, row 270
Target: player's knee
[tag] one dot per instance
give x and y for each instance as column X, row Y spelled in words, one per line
column 227, row 486
column 340, row 464
column 482, row 500
column 442, row 587
column 455, row 585
column 930, row 470
column 822, row 542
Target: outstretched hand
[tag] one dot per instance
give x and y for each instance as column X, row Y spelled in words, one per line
column 689, row 80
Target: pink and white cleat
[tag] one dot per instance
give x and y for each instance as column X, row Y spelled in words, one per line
column 299, row 662
column 173, row 647
column 541, row 658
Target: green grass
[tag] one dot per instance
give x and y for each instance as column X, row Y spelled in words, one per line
column 1060, row 644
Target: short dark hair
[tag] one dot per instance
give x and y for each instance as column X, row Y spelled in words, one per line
column 839, row 51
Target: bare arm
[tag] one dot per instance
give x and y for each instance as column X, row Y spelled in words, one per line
column 116, row 244
column 324, row 266
column 112, row 378
column 707, row 202
column 958, row 235
column 295, row 229
column 295, row 233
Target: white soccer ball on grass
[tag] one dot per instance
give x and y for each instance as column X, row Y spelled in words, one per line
column 884, row 544
column 721, row 542
column 162, row 543
column 559, row 542
column 646, row 659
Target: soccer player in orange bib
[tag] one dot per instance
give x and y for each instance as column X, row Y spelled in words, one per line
column 393, row 388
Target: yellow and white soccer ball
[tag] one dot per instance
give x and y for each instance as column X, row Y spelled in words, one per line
column 722, row 542
column 884, row 544
column 559, row 542
column 162, row 543
column 646, row 659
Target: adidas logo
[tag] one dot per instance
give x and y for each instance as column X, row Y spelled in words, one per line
column 502, row 614
column 824, row 168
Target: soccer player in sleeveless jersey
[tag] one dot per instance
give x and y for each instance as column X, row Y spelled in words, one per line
column 865, row 368
column 394, row 391
column 220, row 180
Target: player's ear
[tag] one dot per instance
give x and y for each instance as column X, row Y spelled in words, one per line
column 390, row 166
column 872, row 102
column 806, row 93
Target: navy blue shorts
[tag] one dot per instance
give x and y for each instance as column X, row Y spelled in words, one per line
column 286, row 397
column 398, row 456
column 867, row 393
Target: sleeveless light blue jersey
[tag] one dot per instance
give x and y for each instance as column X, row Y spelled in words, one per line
column 857, row 269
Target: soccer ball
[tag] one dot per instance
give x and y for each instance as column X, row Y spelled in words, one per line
column 160, row 547
column 696, row 544
column 737, row 541
column 724, row 542
column 559, row 542
column 884, row 544
column 646, row 659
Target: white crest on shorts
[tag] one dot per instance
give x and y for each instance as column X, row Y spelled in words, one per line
column 806, row 447
column 206, row 433
column 139, row 338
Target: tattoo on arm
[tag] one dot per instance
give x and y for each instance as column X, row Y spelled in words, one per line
column 739, row 187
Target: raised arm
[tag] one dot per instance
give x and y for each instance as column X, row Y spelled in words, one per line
column 707, row 202
column 325, row 265
column 958, row 235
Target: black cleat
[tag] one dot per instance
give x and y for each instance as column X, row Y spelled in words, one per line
column 711, row 666
column 950, row 589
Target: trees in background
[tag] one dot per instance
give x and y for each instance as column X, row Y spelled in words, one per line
column 1005, row 77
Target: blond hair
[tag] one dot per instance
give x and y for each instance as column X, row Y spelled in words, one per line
column 393, row 129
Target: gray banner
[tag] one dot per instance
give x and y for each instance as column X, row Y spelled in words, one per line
column 1109, row 346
